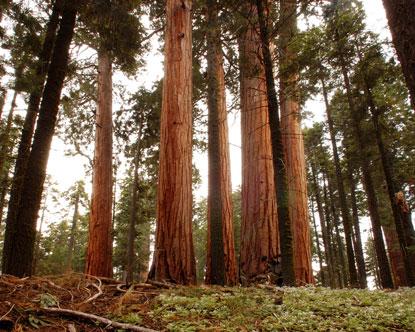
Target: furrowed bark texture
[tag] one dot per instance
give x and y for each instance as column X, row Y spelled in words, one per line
column 99, row 253
column 259, row 229
column 19, row 255
column 174, row 258
column 29, row 126
column 401, row 19
column 292, row 140
column 278, row 155
column 221, row 260
column 347, row 226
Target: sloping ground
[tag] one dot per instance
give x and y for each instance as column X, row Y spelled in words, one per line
column 57, row 304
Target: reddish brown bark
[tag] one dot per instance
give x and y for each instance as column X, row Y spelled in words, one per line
column 174, row 258
column 99, row 254
column 294, row 146
column 220, row 260
column 259, row 229
column 401, row 20
column 395, row 255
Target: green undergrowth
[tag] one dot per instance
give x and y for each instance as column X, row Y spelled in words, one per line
column 284, row 309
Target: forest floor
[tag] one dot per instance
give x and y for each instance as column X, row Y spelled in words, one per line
column 77, row 302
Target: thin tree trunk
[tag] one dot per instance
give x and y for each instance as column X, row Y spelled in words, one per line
column 343, row 265
column 133, row 212
column 259, row 229
column 23, row 151
column 386, row 276
column 174, row 258
column 335, row 258
column 220, row 260
column 20, row 239
column 326, row 238
column 347, row 226
column 319, row 254
column 292, row 140
column 71, row 244
column 401, row 19
column 99, row 253
column 357, row 235
column 278, row 158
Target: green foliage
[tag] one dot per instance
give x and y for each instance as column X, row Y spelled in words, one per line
column 302, row 309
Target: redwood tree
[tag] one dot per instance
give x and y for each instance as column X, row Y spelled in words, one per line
column 20, row 236
column 292, row 140
column 174, row 258
column 401, row 19
column 278, row 155
column 259, row 229
column 99, row 254
column 220, row 261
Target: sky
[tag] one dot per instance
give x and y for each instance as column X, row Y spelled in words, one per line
column 67, row 170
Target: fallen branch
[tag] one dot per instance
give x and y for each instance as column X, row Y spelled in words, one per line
column 5, row 315
column 102, row 320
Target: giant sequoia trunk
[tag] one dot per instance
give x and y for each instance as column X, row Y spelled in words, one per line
column 259, row 228
column 292, row 140
column 278, row 157
column 99, row 254
column 401, row 20
column 342, row 194
column 174, row 258
column 30, row 121
column 220, row 260
column 20, row 237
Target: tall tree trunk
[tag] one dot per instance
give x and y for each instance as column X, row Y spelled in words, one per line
column 133, row 212
column 99, row 254
column 347, row 226
column 386, row 277
column 334, row 250
column 259, row 229
column 402, row 26
column 343, row 265
column 357, row 235
column 409, row 260
column 20, row 238
column 326, row 238
column 220, row 260
column 71, row 243
column 319, row 254
column 278, row 158
column 292, row 140
column 174, row 258
column 23, row 151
